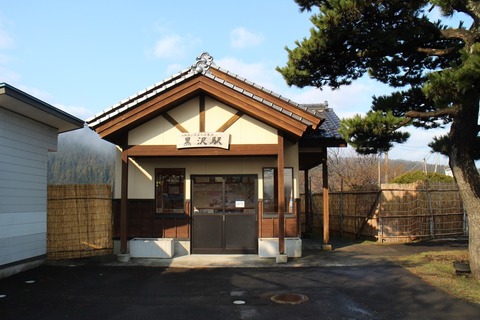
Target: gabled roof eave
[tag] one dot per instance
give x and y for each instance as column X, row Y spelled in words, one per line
column 292, row 116
column 27, row 105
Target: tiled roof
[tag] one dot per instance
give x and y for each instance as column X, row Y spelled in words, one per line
column 141, row 96
column 263, row 100
column 329, row 128
column 203, row 64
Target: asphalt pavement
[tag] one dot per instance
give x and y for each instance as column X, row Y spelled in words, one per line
column 354, row 281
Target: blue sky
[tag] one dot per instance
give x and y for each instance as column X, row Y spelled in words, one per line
column 85, row 56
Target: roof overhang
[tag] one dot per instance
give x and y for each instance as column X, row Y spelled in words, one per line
column 315, row 124
column 24, row 104
column 310, row 157
column 114, row 125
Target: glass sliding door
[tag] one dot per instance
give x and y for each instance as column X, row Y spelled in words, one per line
column 224, row 214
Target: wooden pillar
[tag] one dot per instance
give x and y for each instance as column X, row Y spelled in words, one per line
column 308, row 213
column 281, row 195
column 326, row 211
column 297, row 210
column 124, row 204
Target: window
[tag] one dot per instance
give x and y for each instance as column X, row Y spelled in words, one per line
column 169, row 190
column 224, row 194
column 270, row 190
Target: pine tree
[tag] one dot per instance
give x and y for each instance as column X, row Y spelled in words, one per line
column 436, row 67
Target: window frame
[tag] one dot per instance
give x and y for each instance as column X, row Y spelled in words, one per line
column 174, row 189
column 289, row 199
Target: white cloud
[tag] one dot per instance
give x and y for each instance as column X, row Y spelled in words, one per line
column 79, row 112
column 174, row 69
column 37, row 93
column 259, row 72
column 242, row 38
column 8, row 76
column 346, row 101
column 174, row 46
column 6, row 41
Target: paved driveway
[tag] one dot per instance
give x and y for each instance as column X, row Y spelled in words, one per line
column 372, row 288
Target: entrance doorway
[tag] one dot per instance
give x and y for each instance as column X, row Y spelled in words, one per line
column 224, row 214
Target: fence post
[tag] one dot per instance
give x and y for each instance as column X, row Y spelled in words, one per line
column 430, row 208
column 341, row 208
column 380, row 229
column 432, row 227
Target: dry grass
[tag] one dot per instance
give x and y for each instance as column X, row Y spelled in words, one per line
column 436, row 268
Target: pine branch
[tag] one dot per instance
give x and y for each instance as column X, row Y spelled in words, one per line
column 465, row 35
column 452, row 112
column 405, row 122
column 436, row 52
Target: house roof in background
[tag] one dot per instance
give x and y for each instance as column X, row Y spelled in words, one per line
column 329, row 127
column 27, row 105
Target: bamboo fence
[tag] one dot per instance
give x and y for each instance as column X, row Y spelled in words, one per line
column 79, row 222
column 395, row 213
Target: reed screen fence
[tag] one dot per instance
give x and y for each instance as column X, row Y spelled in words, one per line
column 79, row 221
column 395, row 213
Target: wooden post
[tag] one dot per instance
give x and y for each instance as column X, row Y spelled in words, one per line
column 124, row 203
column 297, row 209
column 326, row 209
column 260, row 218
column 308, row 213
column 281, row 196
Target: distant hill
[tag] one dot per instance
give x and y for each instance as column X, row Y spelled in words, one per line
column 81, row 158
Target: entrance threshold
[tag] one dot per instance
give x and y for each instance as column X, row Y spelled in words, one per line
column 208, row 261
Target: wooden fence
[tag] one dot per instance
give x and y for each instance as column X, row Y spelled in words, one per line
column 396, row 213
column 79, row 221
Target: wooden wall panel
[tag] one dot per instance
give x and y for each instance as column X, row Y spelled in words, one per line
column 269, row 227
column 144, row 223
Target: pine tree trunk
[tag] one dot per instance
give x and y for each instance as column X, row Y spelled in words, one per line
column 471, row 203
column 463, row 135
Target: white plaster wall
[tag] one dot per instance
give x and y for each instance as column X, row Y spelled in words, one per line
column 155, row 132
column 142, row 175
column 142, row 171
column 187, row 114
column 216, row 114
column 245, row 130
